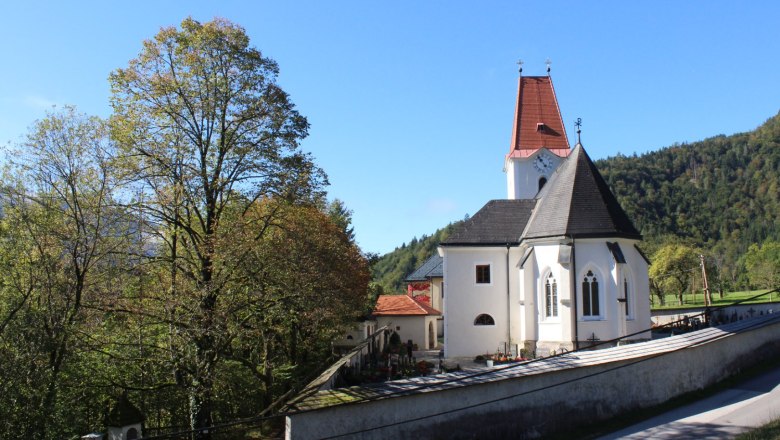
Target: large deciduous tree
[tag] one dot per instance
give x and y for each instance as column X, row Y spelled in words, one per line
column 672, row 267
column 305, row 281
column 206, row 133
column 763, row 264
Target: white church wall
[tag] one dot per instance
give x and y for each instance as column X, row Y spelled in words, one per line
column 516, row 321
column 594, row 256
column 527, row 302
column 547, row 263
column 437, row 297
column 553, row 332
column 466, row 299
column 612, row 323
column 640, row 306
column 436, row 293
column 529, row 325
column 523, row 178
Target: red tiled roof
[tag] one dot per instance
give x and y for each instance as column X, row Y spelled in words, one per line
column 401, row 305
column 538, row 123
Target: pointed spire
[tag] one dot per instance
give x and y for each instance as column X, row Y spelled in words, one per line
column 538, row 123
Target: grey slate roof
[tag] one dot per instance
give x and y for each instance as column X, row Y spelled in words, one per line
column 498, row 223
column 578, row 202
column 432, row 268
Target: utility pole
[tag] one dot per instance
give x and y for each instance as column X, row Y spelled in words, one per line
column 707, row 296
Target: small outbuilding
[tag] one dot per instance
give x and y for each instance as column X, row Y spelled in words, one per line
column 411, row 319
column 125, row 421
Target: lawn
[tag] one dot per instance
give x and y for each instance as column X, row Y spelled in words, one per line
column 697, row 299
column 770, row 431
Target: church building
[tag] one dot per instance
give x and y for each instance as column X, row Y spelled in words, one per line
column 555, row 265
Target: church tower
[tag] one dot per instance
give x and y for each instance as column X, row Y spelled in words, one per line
column 539, row 143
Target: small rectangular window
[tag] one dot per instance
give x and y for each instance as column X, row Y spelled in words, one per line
column 483, row 274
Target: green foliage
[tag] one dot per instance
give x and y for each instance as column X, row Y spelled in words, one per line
column 189, row 260
column 341, row 216
column 721, row 194
column 763, row 264
column 61, row 226
column 696, row 298
column 671, row 269
column 206, row 134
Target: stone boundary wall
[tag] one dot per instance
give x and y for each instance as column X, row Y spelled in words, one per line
column 738, row 312
column 554, row 402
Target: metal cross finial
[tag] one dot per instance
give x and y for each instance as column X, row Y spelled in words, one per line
column 520, row 66
column 549, row 63
column 578, row 124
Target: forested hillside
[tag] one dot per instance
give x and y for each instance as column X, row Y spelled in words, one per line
column 391, row 269
column 720, row 195
column 719, row 188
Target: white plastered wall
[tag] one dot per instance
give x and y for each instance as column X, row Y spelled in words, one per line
column 465, row 300
column 411, row 327
column 437, row 299
column 593, row 255
column 528, row 325
column 522, row 179
column 552, row 332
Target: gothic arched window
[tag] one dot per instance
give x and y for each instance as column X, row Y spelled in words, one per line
column 590, row 295
column 484, row 319
column 542, row 181
column 550, row 297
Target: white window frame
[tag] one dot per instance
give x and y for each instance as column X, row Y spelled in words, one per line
column 543, row 298
column 600, row 279
column 490, row 273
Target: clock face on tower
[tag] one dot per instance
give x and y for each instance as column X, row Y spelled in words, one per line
column 543, row 163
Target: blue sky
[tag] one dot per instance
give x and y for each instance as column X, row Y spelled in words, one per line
column 411, row 102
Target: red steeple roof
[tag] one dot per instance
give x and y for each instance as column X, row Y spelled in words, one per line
column 538, row 123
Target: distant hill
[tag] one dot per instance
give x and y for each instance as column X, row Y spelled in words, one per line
column 721, row 194
column 391, row 269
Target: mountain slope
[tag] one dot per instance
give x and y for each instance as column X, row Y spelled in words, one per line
column 391, row 269
column 721, row 188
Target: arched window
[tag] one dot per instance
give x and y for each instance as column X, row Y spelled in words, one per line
column 550, row 297
column 484, row 319
column 542, row 181
column 132, row 434
column 625, row 294
column 590, row 295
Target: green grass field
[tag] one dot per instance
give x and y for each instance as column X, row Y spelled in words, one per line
column 697, row 300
